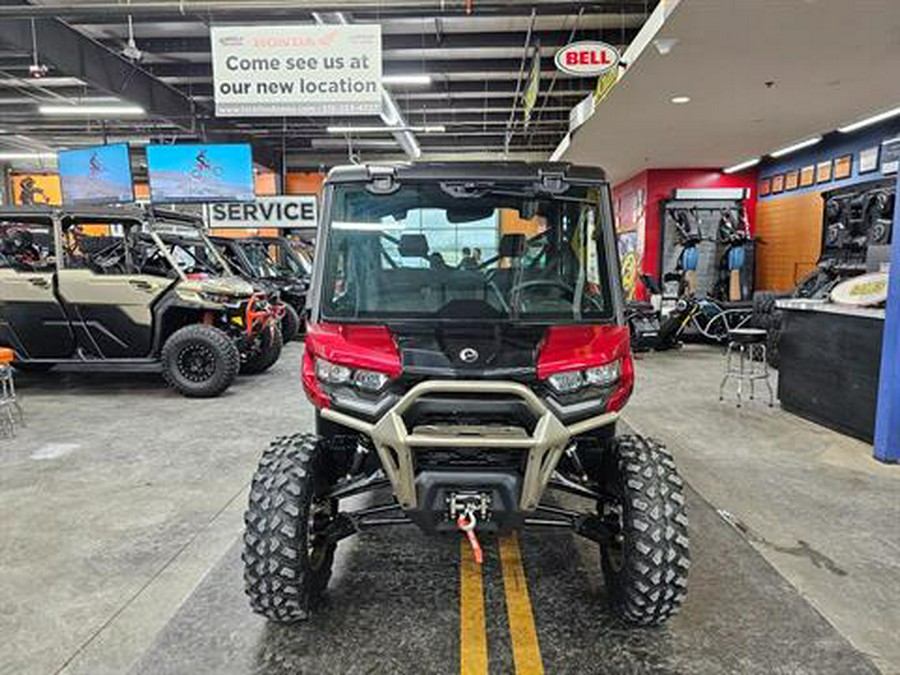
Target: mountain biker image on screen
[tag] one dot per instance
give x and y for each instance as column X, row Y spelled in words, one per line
column 461, row 395
column 203, row 168
column 96, row 166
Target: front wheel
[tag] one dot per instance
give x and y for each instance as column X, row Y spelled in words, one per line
column 265, row 352
column 200, row 361
column 646, row 562
column 290, row 324
column 287, row 560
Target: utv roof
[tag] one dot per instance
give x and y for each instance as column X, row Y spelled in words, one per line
column 492, row 171
column 35, row 213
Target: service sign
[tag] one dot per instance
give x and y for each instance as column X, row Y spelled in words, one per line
column 261, row 71
column 282, row 212
column 588, row 58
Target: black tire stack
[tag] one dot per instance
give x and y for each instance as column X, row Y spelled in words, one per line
column 768, row 317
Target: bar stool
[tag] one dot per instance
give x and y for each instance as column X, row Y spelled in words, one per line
column 10, row 410
column 745, row 361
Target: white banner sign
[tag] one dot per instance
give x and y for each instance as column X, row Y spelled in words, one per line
column 261, row 71
column 298, row 211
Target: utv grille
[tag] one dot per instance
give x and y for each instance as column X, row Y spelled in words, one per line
column 470, row 410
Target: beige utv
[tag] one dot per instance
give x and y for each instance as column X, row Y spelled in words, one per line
column 116, row 288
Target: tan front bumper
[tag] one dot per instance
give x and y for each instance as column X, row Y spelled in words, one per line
column 396, row 444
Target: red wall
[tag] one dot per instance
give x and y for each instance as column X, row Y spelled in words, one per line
column 660, row 184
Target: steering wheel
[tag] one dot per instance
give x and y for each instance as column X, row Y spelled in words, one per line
column 516, row 291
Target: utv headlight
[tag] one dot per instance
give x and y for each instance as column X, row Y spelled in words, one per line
column 566, row 383
column 605, row 375
column 218, row 298
column 332, row 373
column 367, row 380
column 572, row 380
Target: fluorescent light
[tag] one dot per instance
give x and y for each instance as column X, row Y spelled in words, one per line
column 406, row 79
column 10, row 156
column 796, row 146
column 428, row 129
column 742, row 165
column 108, row 110
column 681, row 100
column 875, row 119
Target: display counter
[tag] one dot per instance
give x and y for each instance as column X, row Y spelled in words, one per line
column 830, row 357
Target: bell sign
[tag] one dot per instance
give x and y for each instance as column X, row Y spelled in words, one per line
column 588, row 58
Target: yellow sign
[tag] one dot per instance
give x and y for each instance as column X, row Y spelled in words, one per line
column 533, row 87
column 30, row 189
column 605, row 83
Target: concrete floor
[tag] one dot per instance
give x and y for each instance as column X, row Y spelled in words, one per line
column 122, row 508
column 813, row 503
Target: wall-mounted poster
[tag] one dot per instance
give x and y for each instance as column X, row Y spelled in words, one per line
column 765, row 187
column 630, row 222
column 807, row 175
column 30, row 189
column 868, row 159
column 792, row 179
column 890, row 155
column 823, row 171
column 843, row 167
column 777, row 184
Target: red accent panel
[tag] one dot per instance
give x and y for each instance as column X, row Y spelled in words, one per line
column 311, row 386
column 369, row 347
column 626, row 385
column 578, row 347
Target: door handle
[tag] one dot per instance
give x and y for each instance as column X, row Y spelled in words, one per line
column 40, row 282
column 142, row 285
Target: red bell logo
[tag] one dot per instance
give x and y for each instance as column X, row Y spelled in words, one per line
column 587, row 58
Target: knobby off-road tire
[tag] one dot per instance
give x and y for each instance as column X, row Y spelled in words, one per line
column 290, row 324
column 646, row 568
column 285, row 570
column 267, row 354
column 200, row 361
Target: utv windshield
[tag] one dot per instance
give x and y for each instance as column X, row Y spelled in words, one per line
column 442, row 251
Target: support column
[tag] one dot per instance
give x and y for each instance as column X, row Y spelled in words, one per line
column 887, row 419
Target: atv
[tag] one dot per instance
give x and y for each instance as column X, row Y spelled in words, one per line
column 251, row 258
column 470, row 393
column 128, row 288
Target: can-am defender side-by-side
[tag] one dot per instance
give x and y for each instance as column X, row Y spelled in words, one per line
column 251, row 259
column 467, row 355
column 114, row 288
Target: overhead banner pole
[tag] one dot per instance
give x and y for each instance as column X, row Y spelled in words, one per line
column 887, row 418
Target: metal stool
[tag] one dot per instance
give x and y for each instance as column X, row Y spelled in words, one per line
column 10, row 410
column 749, row 346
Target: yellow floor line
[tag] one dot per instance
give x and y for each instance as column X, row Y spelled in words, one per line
column 473, row 655
column 526, row 651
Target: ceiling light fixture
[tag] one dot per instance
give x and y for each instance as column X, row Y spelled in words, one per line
column 681, row 100
column 875, row 119
column 742, row 165
column 12, row 156
column 796, row 146
column 664, row 45
column 406, row 79
column 97, row 110
column 427, row 129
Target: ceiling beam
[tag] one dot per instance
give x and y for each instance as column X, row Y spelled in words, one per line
column 408, row 41
column 282, row 9
column 71, row 52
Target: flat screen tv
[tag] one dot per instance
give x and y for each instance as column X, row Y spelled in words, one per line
column 97, row 175
column 200, row 173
